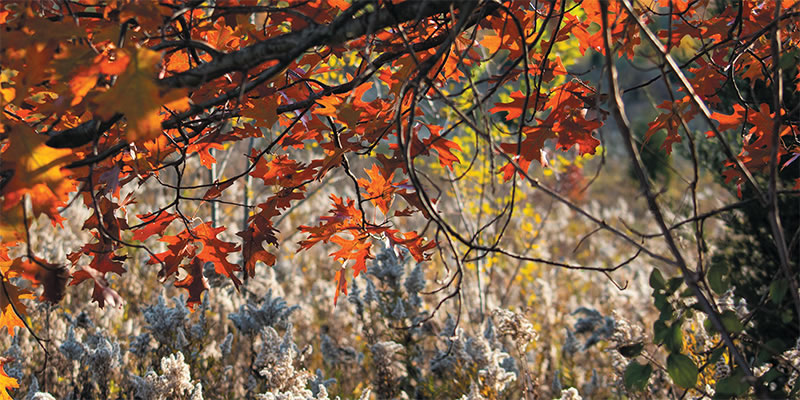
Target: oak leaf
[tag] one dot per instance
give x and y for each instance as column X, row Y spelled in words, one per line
column 137, row 95
column 379, row 189
column 216, row 251
column 102, row 292
column 194, row 282
column 6, row 382
column 12, row 225
column 38, row 171
column 153, row 225
column 10, row 304
column 52, row 277
column 259, row 231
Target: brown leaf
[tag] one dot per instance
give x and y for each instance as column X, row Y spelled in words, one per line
column 194, row 282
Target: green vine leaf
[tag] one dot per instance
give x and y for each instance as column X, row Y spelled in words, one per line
column 637, row 375
column 682, row 370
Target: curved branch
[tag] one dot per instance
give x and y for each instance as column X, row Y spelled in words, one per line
column 289, row 46
column 690, row 277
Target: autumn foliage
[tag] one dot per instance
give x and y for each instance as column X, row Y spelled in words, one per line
column 99, row 96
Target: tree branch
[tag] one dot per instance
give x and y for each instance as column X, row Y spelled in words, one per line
column 689, row 277
column 291, row 45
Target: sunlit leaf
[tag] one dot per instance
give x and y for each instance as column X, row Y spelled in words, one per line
column 137, row 95
column 38, row 171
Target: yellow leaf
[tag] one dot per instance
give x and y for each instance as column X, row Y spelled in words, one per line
column 175, row 99
column 11, row 225
column 10, row 297
column 82, row 83
column 6, row 382
column 137, row 95
column 37, row 170
column 7, row 91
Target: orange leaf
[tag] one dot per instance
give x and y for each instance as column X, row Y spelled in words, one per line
column 252, row 247
column 529, row 150
column 12, row 226
column 343, row 216
column 37, row 170
column 82, row 83
column 113, row 62
column 514, row 108
column 282, row 171
column 340, row 4
column 341, row 284
column 10, row 296
column 6, row 382
column 492, row 43
column 203, row 149
column 330, row 105
column 415, row 244
column 379, row 189
column 52, row 277
column 444, row 149
column 194, row 282
column 265, row 113
column 137, row 95
column 216, row 251
column 215, row 191
column 357, row 250
column 178, row 248
column 155, row 225
column 727, row 122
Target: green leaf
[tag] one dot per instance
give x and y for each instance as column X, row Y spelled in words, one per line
column 667, row 313
column 716, row 354
column 770, row 375
column 631, row 350
column 731, row 321
column 710, row 330
column 636, row 375
column 795, row 391
column 733, row 385
column 673, row 285
column 698, row 307
column 774, row 346
column 788, row 60
column 787, row 316
column 660, row 332
column 770, row 349
column 661, row 303
column 777, row 290
column 674, row 338
column 716, row 278
column 682, row 370
column 657, row 281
